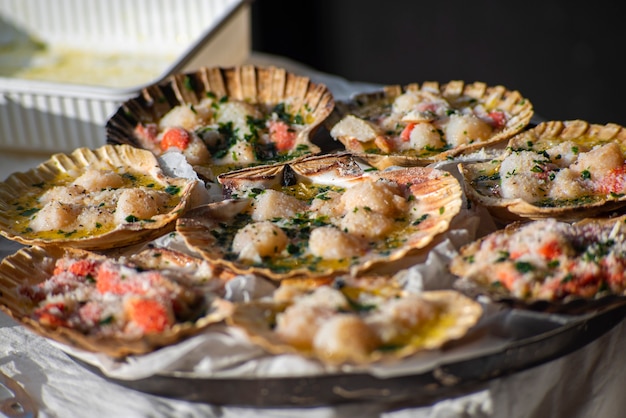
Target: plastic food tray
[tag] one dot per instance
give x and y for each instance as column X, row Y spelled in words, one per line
column 43, row 115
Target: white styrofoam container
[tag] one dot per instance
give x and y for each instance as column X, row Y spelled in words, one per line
column 43, row 117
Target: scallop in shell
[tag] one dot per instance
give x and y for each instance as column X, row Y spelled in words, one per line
column 94, row 199
column 548, row 265
column 348, row 324
column 567, row 170
column 225, row 118
column 322, row 216
column 418, row 125
column 77, row 298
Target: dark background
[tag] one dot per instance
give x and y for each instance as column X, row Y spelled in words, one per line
column 567, row 57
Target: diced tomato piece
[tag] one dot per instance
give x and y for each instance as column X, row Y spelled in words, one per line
column 147, row 132
column 281, row 134
column 51, row 314
column 83, row 267
column 507, row 277
column 149, row 314
column 78, row 267
column 498, row 119
column 175, row 137
column 613, row 182
column 514, row 255
column 550, row 250
column 585, row 284
column 406, row 132
column 108, row 281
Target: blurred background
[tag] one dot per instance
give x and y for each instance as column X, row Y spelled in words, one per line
column 567, row 57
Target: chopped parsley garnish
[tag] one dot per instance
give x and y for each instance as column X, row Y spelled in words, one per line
column 29, row 212
column 524, row 267
column 172, row 190
column 107, row 320
column 282, row 113
column 503, row 256
column 420, row 219
column 129, row 176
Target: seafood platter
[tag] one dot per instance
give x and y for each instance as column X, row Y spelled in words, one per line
column 245, row 238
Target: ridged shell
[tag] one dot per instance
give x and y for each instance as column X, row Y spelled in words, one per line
column 33, row 183
column 322, row 168
column 582, row 236
column 265, row 86
column 482, row 181
column 33, row 265
column 437, row 197
column 156, row 258
column 457, row 314
column 456, row 93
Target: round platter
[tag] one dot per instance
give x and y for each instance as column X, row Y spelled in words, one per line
column 524, row 339
column 535, row 338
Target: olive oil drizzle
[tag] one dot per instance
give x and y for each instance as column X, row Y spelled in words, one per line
column 298, row 230
column 26, row 207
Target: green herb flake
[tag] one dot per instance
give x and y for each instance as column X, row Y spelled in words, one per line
column 130, row 177
column 554, row 264
column 29, row 212
column 107, row 320
column 172, row 190
column 420, row 219
column 502, row 256
column 524, row 267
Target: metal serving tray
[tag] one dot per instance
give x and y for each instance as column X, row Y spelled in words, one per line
column 535, row 338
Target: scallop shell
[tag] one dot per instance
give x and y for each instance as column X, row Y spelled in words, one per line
column 350, row 119
column 457, row 314
column 260, row 86
column 33, row 183
column 209, row 229
column 33, row 265
column 325, row 168
column 156, row 258
column 482, row 179
column 581, row 235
